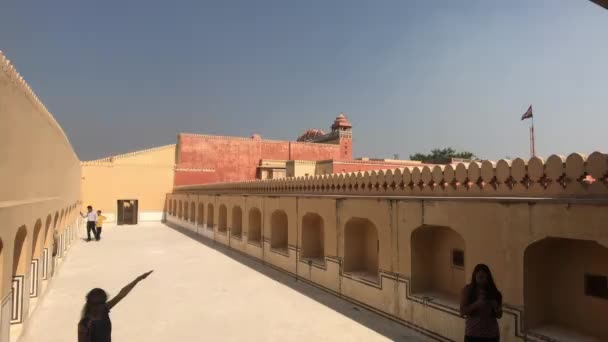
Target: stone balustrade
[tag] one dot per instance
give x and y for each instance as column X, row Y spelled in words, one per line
column 577, row 175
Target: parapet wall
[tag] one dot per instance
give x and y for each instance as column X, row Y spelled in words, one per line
column 39, row 199
column 145, row 176
column 404, row 242
column 32, row 143
column 577, row 175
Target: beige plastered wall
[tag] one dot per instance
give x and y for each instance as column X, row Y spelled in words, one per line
column 492, row 232
column 39, row 194
column 144, row 175
column 300, row 168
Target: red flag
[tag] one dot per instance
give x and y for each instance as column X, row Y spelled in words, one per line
column 527, row 114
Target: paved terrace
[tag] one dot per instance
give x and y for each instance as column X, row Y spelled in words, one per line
column 199, row 292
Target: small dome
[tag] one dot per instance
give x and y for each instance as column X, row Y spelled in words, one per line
column 256, row 137
column 341, row 121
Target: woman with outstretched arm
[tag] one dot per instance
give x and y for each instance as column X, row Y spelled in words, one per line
column 95, row 324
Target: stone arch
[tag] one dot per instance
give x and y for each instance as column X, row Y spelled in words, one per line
column 47, row 227
column 174, row 213
column 361, row 249
column 3, row 291
column 21, row 265
column 61, row 219
column 222, row 221
column 279, row 231
column 186, row 214
column 201, row 214
column 192, row 212
column 20, row 262
column 210, row 218
column 566, row 288
column 313, row 237
column 56, row 220
column 36, row 245
column 236, row 228
column 438, row 261
column 179, row 209
column 254, row 233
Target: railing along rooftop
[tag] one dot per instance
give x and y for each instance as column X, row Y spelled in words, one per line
column 574, row 176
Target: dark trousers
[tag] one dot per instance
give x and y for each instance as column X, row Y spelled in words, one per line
column 98, row 234
column 90, row 229
column 481, row 339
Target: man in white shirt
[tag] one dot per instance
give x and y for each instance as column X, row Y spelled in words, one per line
column 91, row 217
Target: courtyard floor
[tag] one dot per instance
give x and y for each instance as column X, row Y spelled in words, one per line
column 199, row 291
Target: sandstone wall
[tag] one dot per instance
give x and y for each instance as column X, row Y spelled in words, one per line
column 39, row 197
column 145, row 176
column 390, row 239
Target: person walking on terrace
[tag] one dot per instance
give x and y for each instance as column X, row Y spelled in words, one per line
column 91, row 217
column 99, row 224
column 95, row 324
column 481, row 305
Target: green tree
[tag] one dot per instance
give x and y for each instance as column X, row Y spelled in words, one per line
column 442, row 156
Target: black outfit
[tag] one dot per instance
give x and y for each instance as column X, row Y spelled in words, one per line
column 90, row 229
column 481, row 339
column 98, row 330
column 98, row 234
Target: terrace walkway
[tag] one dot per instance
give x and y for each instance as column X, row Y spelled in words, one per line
column 198, row 292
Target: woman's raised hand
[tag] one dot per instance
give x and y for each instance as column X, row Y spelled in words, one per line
column 145, row 275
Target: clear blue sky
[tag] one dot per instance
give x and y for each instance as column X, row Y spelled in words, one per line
column 411, row 75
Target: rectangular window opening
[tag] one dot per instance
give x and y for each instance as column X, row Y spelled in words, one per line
column 596, row 286
column 457, row 258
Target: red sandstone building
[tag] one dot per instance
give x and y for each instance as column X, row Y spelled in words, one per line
column 204, row 159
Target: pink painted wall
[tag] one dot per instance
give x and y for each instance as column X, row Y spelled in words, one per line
column 236, row 159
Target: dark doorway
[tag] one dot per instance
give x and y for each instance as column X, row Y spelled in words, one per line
column 127, row 212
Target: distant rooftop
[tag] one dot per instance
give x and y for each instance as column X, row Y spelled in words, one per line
column 603, row 3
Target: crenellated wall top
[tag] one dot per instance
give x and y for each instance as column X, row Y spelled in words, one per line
column 13, row 75
column 576, row 175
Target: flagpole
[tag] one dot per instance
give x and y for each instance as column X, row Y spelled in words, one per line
column 532, row 147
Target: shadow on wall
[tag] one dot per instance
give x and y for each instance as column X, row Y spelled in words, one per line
column 358, row 314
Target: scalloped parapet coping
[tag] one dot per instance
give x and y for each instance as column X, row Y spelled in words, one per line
column 13, row 75
column 389, row 163
column 577, row 175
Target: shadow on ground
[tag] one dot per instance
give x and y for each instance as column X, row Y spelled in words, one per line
column 355, row 312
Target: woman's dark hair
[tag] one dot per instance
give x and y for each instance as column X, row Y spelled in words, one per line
column 492, row 292
column 95, row 296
